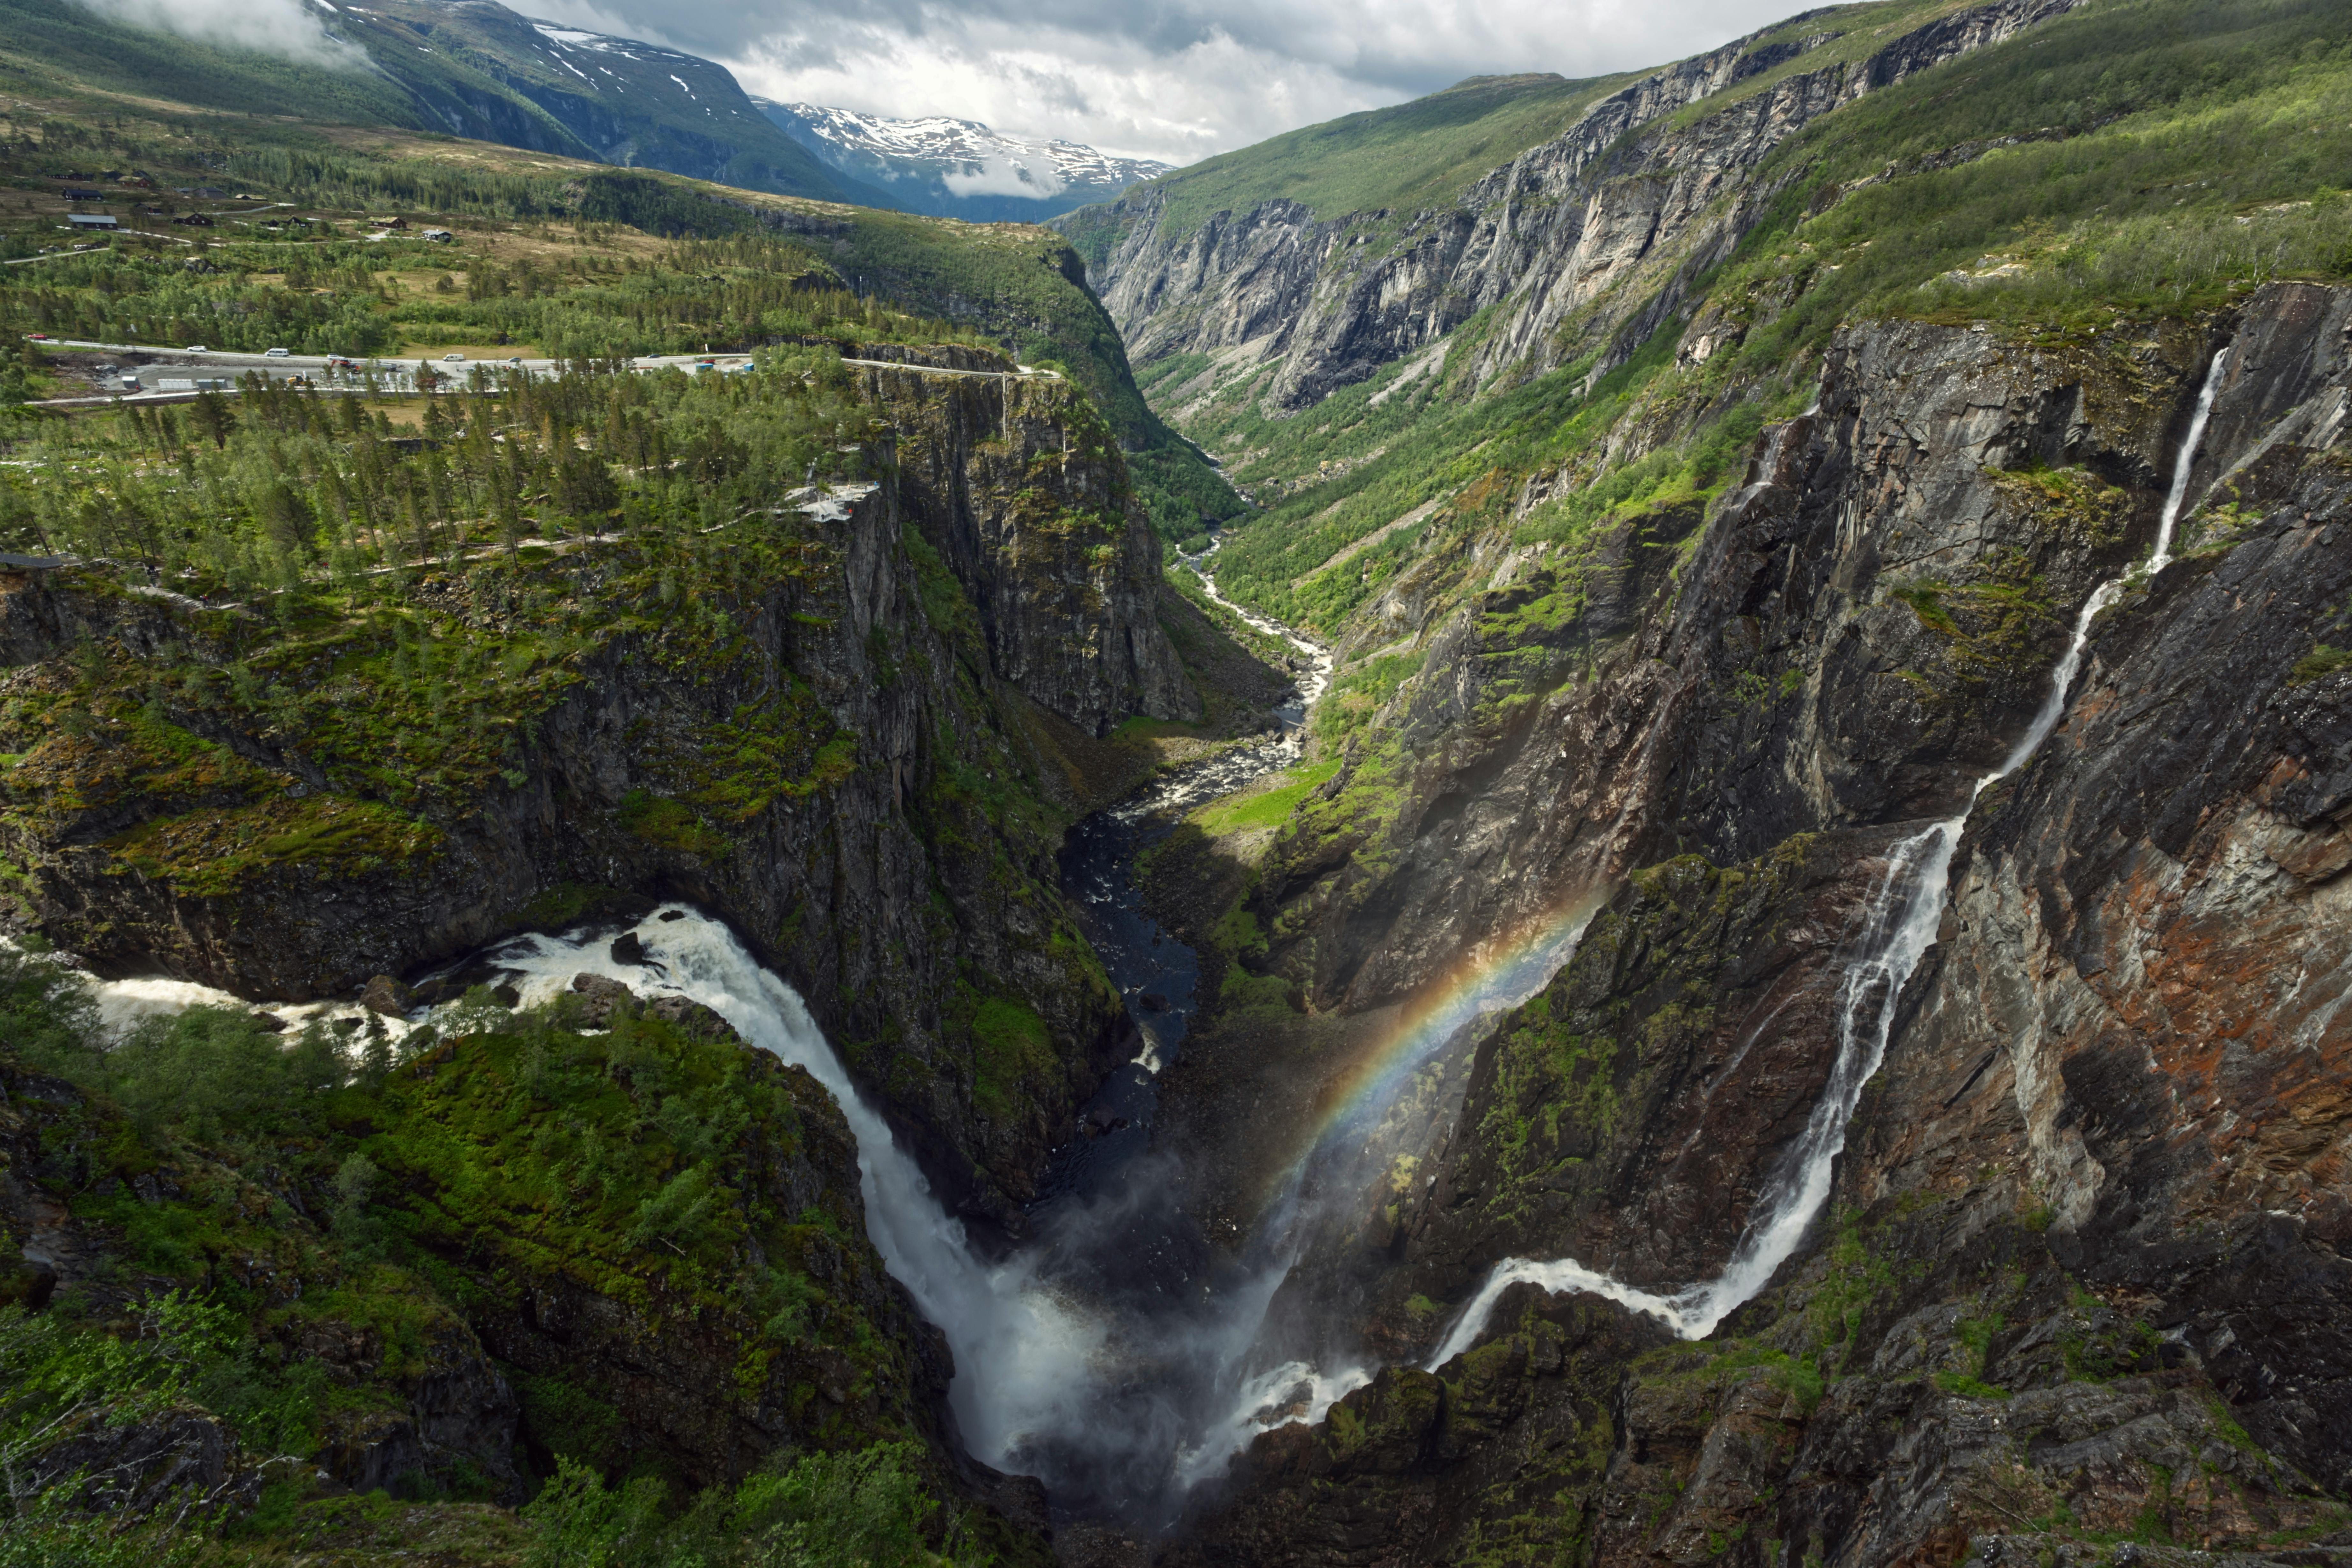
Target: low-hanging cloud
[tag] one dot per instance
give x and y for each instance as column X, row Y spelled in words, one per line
column 292, row 28
column 1167, row 79
column 1003, row 176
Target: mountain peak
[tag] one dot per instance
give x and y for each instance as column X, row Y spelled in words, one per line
column 959, row 168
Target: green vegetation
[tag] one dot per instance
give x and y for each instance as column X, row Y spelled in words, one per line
column 1968, row 1387
column 2321, row 661
column 408, row 628
column 1359, row 691
column 728, row 294
column 551, row 257
column 416, row 1188
column 1417, row 155
column 868, row 1509
column 1013, row 1055
column 1269, row 807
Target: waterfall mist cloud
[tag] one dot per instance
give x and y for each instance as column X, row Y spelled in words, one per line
column 294, row 29
column 1178, row 79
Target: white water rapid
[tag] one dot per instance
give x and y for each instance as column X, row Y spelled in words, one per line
column 1897, row 931
column 1293, row 714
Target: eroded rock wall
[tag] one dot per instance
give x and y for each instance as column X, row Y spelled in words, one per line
column 2081, row 1276
column 1539, row 239
column 1855, row 638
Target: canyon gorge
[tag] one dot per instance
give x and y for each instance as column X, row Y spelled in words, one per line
column 1591, row 823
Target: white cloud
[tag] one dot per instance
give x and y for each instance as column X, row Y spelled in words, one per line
column 293, row 28
column 1003, row 176
column 1166, row 79
column 1106, row 93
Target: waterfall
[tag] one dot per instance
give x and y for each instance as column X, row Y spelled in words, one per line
column 2186, row 459
column 1897, row 930
column 1021, row 1350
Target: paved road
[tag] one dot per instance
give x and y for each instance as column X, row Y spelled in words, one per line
column 399, row 375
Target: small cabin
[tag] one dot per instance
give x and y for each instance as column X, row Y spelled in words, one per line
column 389, row 222
column 439, row 235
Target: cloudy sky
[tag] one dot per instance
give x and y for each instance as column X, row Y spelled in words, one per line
column 1166, row 79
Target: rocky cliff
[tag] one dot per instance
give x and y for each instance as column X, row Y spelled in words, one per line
column 829, row 724
column 2080, row 1276
column 1853, row 638
column 1568, row 247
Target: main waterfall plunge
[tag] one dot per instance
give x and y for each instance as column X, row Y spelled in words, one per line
column 1125, row 1393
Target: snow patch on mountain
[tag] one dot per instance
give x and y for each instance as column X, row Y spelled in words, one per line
column 963, row 157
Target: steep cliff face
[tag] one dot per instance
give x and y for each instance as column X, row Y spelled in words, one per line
column 1853, row 638
column 1027, row 498
column 1643, row 183
column 823, row 724
column 2080, row 1270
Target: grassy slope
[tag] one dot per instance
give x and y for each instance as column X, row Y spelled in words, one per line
column 1428, row 152
column 1854, row 33
column 60, row 36
column 1394, row 160
column 2188, row 129
column 1415, row 155
column 485, row 65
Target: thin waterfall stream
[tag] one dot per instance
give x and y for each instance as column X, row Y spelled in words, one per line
column 1897, row 931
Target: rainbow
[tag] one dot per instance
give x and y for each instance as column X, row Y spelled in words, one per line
column 1497, row 974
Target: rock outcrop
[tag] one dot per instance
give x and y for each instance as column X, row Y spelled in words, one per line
column 837, row 741
column 1646, row 180
column 1854, row 638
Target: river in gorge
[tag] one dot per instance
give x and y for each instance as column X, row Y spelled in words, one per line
column 1110, row 1353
